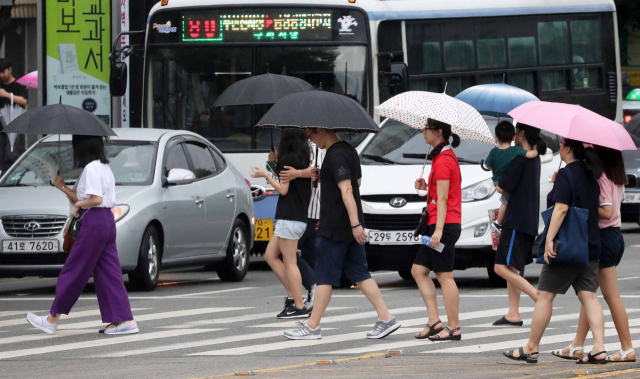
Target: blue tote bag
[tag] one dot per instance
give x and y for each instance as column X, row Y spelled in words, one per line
column 573, row 234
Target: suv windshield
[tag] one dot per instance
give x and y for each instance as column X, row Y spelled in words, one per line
column 132, row 163
column 399, row 143
column 184, row 82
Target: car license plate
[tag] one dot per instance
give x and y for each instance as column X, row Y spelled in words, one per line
column 264, row 229
column 29, row 246
column 631, row 198
column 392, row 238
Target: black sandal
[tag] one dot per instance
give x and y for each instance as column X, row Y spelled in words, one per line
column 421, row 336
column 504, row 321
column 522, row 356
column 450, row 337
column 591, row 359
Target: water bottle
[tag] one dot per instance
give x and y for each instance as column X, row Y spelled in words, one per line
column 426, row 240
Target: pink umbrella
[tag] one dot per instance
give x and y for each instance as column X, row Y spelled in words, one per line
column 574, row 122
column 30, row 80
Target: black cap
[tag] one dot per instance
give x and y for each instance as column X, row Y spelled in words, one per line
column 4, row 64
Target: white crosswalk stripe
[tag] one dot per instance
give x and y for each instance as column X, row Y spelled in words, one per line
column 23, row 320
column 230, row 320
column 102, row 342
column 151, row 316
column 343, row 318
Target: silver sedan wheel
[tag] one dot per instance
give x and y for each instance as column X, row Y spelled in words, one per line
column 239, row 249
column 152, row 258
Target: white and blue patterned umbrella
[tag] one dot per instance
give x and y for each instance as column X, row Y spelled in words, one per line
column 495, row 99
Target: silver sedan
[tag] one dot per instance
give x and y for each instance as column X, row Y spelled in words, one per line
column 180, row 202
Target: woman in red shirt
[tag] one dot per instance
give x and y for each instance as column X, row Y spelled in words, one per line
column 444, row 205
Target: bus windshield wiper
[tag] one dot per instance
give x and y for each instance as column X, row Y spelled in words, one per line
column 377, row 158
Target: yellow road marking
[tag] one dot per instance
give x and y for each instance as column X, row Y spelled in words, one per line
column 611, row 373
column 372, row 355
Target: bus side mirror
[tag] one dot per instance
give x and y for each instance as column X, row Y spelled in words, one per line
column 118, row 79
column 397, row 77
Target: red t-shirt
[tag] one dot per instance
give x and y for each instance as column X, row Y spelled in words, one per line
column 445, row 168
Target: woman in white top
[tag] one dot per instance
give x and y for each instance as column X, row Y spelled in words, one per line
column 94, row 251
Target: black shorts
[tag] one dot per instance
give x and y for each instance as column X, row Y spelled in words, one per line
column 557, row 278
column 435, row 260
column 334, row 257
column 514, row 249
column 612, row 244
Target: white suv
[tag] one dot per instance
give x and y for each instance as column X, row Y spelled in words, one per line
column 392, row 161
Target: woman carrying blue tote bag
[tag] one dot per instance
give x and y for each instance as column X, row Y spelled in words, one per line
column 572, row 240
column 575, row 191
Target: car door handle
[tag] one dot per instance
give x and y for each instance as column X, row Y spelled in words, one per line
column 229, row 196
column 199, row 201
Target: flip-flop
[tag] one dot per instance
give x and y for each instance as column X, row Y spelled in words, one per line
column 504, row 321
column 572, row 350
column 522, row 357
column 591, row 360
column 431, row 332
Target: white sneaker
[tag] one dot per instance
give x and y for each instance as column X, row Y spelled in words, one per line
column 122, row 328
column 41, row 323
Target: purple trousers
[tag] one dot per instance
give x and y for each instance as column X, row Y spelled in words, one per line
column 94, row 252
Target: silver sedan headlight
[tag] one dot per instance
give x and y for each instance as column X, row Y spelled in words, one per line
column 119, row 211
column 479, row 191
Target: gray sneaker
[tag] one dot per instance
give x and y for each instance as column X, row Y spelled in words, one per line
column 122, row 328
column 384, row 328
column 41, row 323
column 303, row 332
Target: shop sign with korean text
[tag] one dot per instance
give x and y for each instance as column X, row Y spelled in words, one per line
column 78, row 42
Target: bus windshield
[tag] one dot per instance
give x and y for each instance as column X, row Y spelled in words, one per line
column 184, row 82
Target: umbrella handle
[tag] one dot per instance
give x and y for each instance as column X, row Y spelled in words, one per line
column 423, row 193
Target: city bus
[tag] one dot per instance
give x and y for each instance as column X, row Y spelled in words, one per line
column 369, row 50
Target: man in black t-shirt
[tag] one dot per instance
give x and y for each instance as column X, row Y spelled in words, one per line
column 9, row 86
column 341, row 237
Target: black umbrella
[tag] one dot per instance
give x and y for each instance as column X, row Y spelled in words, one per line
column 319, row 109
column 261, row 89
column 59, row 119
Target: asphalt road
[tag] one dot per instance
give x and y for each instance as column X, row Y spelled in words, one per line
column 194, row 325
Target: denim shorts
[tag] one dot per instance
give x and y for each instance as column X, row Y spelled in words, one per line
column 336, row 257
column 291, row 230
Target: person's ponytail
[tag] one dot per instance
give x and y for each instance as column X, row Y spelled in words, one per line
column 591, row 159
column 446, row 131
column 455, row 142
column 541, row 146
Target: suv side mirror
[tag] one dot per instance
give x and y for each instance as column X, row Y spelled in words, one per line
column 547, row 157
column 397, row 77
column 180, row 176
column 118, row 79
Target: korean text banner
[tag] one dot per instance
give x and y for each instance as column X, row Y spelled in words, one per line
column 78, row 41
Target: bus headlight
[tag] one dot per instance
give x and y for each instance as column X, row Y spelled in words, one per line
column 119, row 211
column 478, row 191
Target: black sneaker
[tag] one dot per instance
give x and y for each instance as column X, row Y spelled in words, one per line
column 294, row 312
column 287, row 303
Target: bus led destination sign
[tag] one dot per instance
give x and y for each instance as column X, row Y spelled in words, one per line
column 276, row 26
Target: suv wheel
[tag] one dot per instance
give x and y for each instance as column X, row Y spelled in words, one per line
column 236, row 264
column 145, row 276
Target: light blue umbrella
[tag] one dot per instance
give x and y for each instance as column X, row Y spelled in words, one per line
column 495, row 99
